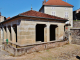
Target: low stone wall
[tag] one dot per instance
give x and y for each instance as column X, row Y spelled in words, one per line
column 76, row 23
column 32, row 48
column 75, row 34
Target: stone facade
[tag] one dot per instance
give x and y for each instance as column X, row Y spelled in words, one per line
column 26, row 31
column 76, row 24
column 75, row 33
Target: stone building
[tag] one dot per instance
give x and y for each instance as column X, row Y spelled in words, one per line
column 32, row 27
column 58, row 8
column 2, row 18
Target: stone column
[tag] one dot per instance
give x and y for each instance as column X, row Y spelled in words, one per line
column 2, row 35
column 48, row 32
column 8, row 32
column 13, row 36
column 45, row 34
column 56, row 33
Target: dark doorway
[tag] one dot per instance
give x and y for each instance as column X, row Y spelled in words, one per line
column 53, row 32
column 40, row 32
column 15, row 30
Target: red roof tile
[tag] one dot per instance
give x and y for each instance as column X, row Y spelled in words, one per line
column 8, row 18
column 57, row 2
column 39, row 14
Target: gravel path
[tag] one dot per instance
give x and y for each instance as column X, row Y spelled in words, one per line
column 66, row 52
column 4, row 55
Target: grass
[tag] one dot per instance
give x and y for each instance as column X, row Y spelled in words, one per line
column 47, row 50
column 76, row 20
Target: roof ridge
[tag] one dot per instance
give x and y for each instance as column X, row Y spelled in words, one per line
column 24, row 12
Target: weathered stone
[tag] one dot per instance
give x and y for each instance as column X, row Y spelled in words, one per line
column 75, row 33
column 32, row 48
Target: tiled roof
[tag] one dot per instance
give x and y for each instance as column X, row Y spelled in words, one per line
column 57, row 2
column 8, row 18
column 39, row 14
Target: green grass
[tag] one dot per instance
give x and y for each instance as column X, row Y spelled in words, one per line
column 47, row 50
column 76, row 20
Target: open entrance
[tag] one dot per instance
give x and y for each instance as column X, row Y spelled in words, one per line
column 15, row 31
column 5, row 32
column 53, row 32
column 40, row 32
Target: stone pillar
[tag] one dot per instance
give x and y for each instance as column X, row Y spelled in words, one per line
column 45, row 34
column 48, row 32
column 2, row 35
column 56, row 33
column 13, row 36
column 8, row 32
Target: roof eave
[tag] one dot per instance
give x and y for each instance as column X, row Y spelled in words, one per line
column 45, row 18
column 34, row 17
column 9, row 19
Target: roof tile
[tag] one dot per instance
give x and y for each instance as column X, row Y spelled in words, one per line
column 57, row 2
column 39, row 14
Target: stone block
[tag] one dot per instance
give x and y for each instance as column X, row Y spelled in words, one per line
column 31, row 50
column 39, row 47
column 50, row 45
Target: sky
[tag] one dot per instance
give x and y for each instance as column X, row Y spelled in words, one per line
column 10, row 8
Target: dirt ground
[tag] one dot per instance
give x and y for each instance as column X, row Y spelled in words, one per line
column 66, row 52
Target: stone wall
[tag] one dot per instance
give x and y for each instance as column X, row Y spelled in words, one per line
column 76, row 24
column 75, row 34
column 27, row 31
column 32, row 48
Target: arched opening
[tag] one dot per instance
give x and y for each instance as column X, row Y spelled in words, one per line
column 40, row 32
column 53, row 32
